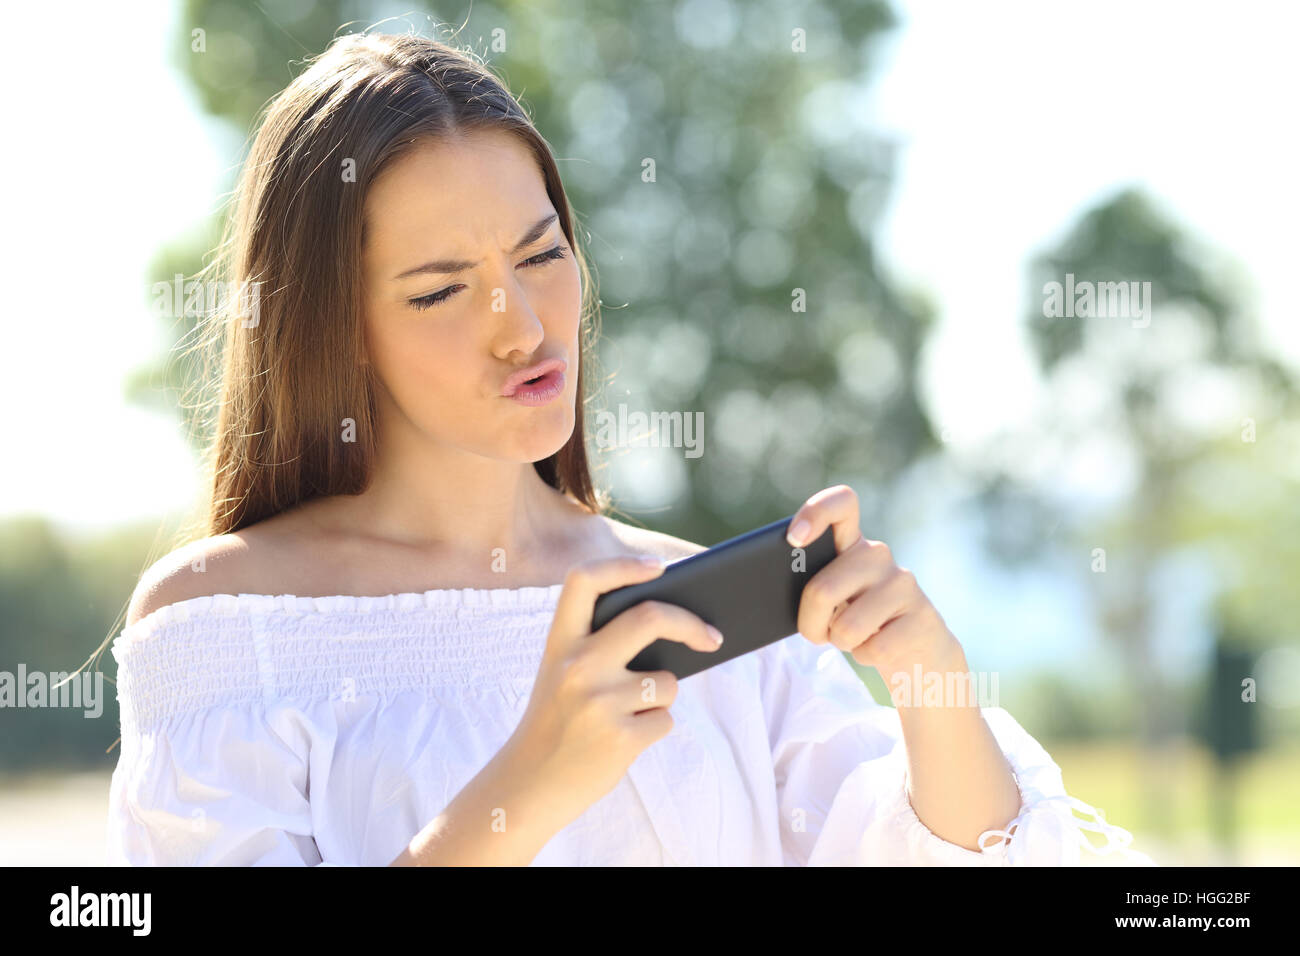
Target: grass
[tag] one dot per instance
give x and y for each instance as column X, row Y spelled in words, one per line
column 1177, row 816
column 59, row 818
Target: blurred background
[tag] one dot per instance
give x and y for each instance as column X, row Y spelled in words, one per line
column 841, row 260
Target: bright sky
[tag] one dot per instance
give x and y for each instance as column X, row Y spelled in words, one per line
column 116, row 161
column 1016, row 116
column 1008, row 135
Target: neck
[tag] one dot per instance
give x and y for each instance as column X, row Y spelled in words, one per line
column 453, row 504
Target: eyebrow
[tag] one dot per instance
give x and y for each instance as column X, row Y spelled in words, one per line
column 452, row 266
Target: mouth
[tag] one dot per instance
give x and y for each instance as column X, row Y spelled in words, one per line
column 537, row 385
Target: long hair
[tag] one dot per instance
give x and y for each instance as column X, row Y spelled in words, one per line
column 277, row 360
column 290, row 342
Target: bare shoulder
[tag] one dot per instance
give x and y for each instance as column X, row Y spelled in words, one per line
column 645, row 541
column 221, row 564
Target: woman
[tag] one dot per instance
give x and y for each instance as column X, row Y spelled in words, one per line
column 404, row 407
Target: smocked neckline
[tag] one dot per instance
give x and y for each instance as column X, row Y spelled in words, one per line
column 210, row 605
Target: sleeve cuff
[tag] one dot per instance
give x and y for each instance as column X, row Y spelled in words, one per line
column 1047, row 833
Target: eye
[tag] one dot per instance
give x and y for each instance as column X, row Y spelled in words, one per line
column 558, row 252
column 541, row 259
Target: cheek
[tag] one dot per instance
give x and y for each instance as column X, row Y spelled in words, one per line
column 418, row 357
column 563, row 306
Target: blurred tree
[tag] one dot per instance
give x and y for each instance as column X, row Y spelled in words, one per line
column 1228, row 723
column 55, row 591
column 726, row 193
column 1171, row 401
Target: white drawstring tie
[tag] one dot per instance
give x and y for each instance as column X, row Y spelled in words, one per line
column 1055, row 826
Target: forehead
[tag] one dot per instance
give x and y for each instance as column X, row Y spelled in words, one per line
column 483, row 187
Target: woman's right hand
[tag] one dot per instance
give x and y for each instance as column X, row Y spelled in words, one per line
column 589, row 717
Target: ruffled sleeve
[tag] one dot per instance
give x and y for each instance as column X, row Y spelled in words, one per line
column 215, row 788
column 840, row 764
column 213, row 770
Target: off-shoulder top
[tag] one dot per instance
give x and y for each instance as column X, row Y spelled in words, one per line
column 283, row 730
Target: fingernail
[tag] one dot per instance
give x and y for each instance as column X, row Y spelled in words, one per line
column 651, row 561
column 714, row 633
column 798, row 532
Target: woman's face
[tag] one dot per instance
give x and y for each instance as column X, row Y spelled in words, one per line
column 443, row 343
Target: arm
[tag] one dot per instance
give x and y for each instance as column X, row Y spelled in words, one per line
column 842, row 765
column 496, row 820
column 952, row 788
column 960, row 783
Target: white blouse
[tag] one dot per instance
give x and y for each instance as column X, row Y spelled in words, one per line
column 284, row 730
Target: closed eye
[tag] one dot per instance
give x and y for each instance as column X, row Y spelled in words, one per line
column 541, row 259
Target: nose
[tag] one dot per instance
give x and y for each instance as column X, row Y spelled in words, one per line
column 517, row 327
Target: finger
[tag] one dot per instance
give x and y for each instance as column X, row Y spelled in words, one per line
column 653, row 724
column 587, row 581
column 639, row 626
column 888, row 644
column 872, row 610
column 648, row 689
column 840, row 582
column 836, row 508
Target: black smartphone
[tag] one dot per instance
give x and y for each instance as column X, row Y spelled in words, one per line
column 747, row 587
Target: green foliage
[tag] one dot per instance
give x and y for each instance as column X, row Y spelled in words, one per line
column 1197, row 402
column 1127, row 238
column 59, row 598
column 763, row 185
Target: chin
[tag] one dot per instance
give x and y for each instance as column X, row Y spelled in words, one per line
column 543, row 440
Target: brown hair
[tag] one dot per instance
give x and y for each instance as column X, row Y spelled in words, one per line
column 290, row 371
column 284, row 376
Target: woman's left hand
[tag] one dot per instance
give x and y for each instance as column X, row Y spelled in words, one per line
column 862, row 602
